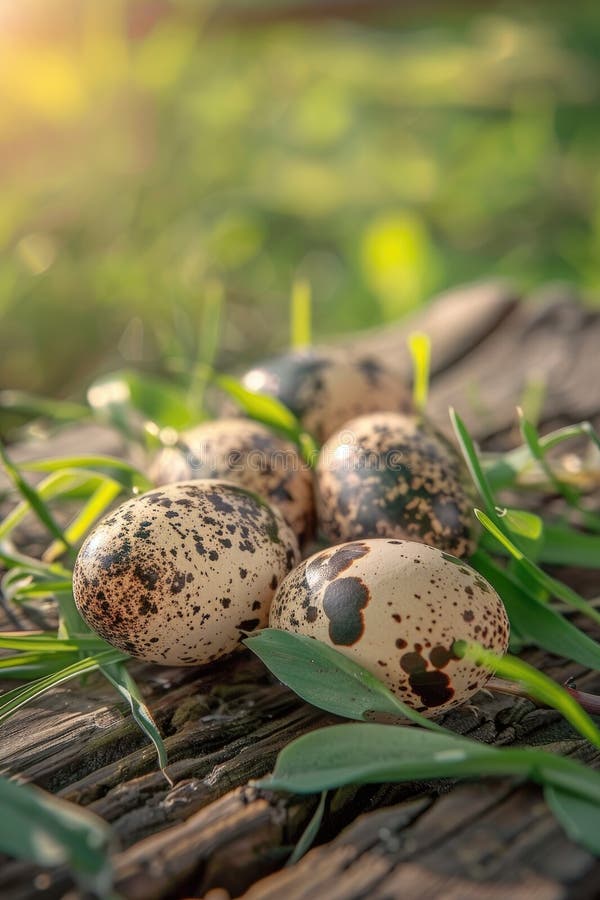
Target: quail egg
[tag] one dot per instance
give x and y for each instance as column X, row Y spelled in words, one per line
column 250, row 455
column 396, row 608
column 177, row 575
column 392, row 475
column 326, row 387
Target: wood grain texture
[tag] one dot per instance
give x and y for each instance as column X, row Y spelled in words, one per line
column 213, row 834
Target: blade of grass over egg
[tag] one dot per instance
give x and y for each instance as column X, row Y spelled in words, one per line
column 271, row 412
column 31, row 495
column 328, row 679
column 300, row 315
column 121, row 679
column 419, row 345
column 48, row 831
column 537, row 623
column 552, row 585
column 538, row 685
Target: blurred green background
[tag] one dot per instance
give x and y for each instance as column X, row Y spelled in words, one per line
column 150, row 150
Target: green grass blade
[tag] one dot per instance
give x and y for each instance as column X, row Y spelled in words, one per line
column 120, row 678
column 53, row 486
column 327, row 678
column 118, row 470
column 572, row 497
column 30, row 494
column 48, row 831
column 536, row 622
column 309, row 834
column 419, row 345
column 34, row 406
column 48, row 642
column 538, row 685
column 473, row 462
column 300, row 315
column 101, row 499
column 11, row 701
column 552, row 585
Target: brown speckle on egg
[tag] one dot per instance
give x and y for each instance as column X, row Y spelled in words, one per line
column 380, row 610
column 160, row 577
column 392, row 475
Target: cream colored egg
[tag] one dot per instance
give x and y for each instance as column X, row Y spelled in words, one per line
column 396, row 608
column 177, row 575
column 249, row 454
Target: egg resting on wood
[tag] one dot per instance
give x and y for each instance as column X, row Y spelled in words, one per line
column 249, row 454
column 325, row 387
column 396, row 608
column 177, row 575
column 393, row 475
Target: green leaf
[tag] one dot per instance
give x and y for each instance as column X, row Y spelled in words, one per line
column 370, row 754
column 419, row 345
column 47, row 831
column 536, row 622
column 552, row 585
column 120, row 678
column 577, row 815
column 327, row 678
column 538, row 685
column 300, row 315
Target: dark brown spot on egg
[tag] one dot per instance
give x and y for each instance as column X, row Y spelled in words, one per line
column 343, row 602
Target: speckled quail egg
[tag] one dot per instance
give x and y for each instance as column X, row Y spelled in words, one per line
column 326, row 387
column 396, row 608
column 176, row 575
column 393, row 475
column 248, row 454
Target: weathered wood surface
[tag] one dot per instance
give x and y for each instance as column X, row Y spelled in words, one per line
column 211, row 832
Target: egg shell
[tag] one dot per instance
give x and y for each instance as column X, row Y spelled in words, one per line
column 396, row 608
column 393, row 475
column 176, row 575
column 250, row 455
column 326, row 387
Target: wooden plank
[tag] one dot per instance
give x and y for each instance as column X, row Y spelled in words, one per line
column 224, row 725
